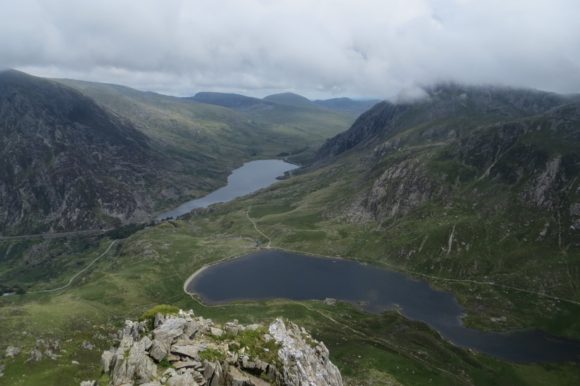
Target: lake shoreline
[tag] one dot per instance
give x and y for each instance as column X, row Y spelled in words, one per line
column 414, row 298
column 247, row 179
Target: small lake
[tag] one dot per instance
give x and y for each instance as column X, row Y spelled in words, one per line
column 249, row 178
column 275, row 274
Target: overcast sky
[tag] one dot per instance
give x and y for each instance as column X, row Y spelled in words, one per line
column 320, row 48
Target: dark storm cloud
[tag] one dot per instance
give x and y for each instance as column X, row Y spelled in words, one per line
column 317, row 47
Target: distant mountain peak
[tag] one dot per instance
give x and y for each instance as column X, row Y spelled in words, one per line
column 290, row 98
column 286, row 94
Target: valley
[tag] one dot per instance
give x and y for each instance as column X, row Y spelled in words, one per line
column 472, row 191
column 124, row 155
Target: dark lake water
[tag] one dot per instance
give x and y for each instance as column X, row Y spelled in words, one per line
column 272, row 274
column 249, row 178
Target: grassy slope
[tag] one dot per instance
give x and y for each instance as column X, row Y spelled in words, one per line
column 306, row 213
column 302, row 216
column 150, row 267
column 198, row 130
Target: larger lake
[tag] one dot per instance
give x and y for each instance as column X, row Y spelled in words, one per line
column 271, row 274
column 249, row 178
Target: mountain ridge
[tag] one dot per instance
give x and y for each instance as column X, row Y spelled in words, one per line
column 59, row 148
column 161, row 150
column 448, row 108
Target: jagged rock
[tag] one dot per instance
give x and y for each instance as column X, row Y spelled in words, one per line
column 89, row 383
column 233, row 327
column 216, row 331
column 213, row 373
column 190, row 329
column 198, row 377
column 12, row 351
column 170, row 372
column 187, row 364
column 184, row 340
column 172, row 357
column 2, row 368
column 132, row 329
column 147, row 343
column 170, row 329
column 185, row 379
column 236, row 377
column 189, row 351
column 158, row 350
column 138, row 365
column 304, row 361
column 106, row 358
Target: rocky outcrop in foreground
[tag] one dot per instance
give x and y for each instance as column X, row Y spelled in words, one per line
column 184, row 350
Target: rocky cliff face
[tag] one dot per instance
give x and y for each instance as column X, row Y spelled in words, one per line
column 430, row 150
column 186, row 350
column 67, row 164
column 466, row 182
column 400, row 188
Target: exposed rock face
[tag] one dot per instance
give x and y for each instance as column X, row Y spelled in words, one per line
column 183, row 350
column 56, row 145
column 304, row 362
column 537, row 156
column 401, row 188
column 456, row 143
column 66, row 163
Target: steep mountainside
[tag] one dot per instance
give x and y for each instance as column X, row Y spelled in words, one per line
column 482, row 203
column 447, row 111
column 501, row 160
column 79, row 155
column 68, row 164
column 476, row 188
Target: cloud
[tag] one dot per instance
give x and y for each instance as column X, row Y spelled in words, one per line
column 316, row 47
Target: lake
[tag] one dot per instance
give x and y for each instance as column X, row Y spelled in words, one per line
column 274, row 274
column 249, row 178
